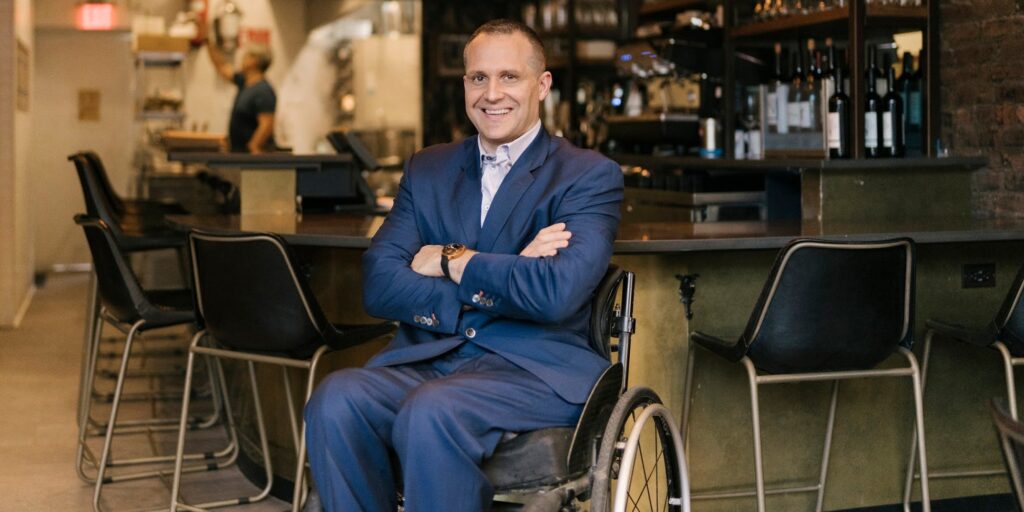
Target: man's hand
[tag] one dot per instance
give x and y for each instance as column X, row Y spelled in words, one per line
column 548, row 241
column 427, row 261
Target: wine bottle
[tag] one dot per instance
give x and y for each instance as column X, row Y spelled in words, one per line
column 892, row 118
column 772, row 103
column 828, row 75
column 914, row 106
column 873, row 73
column 781, row 98
column 796, row 100
column 810, row 111
column 839, row 120
column 873, row 127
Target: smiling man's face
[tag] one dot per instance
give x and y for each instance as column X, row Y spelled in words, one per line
column 504, row 83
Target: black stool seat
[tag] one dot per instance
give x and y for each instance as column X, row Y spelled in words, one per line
column 141, row 231
column 168, row 307
column 982, row 337
column 529, row 460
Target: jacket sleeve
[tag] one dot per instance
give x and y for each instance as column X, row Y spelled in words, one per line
column 391, row 289
column 550, row 290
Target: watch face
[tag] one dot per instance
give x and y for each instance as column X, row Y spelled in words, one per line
column 453, row 249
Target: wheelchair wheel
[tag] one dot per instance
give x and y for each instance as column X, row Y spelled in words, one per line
column 640, row 465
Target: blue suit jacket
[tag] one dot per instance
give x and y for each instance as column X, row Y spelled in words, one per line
column 533, row 311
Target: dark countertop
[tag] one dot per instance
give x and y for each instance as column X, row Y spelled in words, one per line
column 347, row 230
column 261, row 161
column 792, row 165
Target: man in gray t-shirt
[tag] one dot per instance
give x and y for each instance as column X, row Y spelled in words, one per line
column 251, row 129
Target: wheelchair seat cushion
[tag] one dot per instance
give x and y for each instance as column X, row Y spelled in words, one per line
column 530, row 460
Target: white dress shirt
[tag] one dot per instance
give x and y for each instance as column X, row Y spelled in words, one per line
column 495, row 167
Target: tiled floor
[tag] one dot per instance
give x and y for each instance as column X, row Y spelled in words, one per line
column 39, row 370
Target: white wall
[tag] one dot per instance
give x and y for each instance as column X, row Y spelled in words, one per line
column 54, row 193
column 15, row 234
column 57, row 133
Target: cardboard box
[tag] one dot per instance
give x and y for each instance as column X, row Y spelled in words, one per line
column 154, row 43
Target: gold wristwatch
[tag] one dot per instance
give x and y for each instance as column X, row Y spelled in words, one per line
column 448, row 253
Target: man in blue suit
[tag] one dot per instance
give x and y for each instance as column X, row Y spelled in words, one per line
column 488, row 260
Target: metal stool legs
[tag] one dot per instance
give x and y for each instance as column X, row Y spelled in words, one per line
column 760, row 491
column 1009, row 362
column 298, row 435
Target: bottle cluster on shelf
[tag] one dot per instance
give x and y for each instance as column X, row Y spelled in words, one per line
column 764, row 10
column 804, row 108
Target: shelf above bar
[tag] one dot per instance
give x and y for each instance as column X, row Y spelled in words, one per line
column 834, row 20
column 660, row 6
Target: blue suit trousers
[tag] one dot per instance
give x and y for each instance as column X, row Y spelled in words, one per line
column 438, row 419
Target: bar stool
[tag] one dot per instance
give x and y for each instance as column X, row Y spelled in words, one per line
column 122, row 206
column 130, row 232
column 253, row 306
column 828, row 311
column 1011, row 441
column 126, row 305
column 1004, row 334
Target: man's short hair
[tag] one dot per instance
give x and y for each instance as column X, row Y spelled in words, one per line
column 261, row 53
column 508, row 27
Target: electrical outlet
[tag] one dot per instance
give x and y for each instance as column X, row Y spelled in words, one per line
column 979, row 275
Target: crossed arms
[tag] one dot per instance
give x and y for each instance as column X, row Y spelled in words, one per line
column 546, row 282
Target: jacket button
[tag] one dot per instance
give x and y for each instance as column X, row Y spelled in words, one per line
column 476, row 299
column 471, row 332
column 418, row 319
column 429, row 322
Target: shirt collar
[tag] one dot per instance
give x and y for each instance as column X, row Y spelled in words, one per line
column 517, row 147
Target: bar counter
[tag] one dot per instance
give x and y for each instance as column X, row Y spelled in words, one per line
column 354, row 231
column 732, row 259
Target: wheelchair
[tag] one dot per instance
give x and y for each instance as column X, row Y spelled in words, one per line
column 625, row 452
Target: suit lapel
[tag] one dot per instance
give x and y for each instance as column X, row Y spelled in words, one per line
column 467, row 193
column 519, row 179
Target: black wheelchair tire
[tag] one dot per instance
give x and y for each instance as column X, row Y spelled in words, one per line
column 631, row 401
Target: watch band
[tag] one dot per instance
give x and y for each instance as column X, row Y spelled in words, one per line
column 444, row 266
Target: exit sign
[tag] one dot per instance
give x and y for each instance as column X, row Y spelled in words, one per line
column 94, row 16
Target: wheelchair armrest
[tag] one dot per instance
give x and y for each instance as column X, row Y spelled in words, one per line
column 343, row 336
column 980, row 337
column 732, row 351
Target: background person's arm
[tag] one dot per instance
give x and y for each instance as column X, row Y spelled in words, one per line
column 220, row 61
column 263, row 131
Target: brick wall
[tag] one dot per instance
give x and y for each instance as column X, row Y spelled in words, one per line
column 982, row 80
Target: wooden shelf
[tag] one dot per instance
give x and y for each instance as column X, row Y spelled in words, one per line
column 661, row 6
column 886, row 15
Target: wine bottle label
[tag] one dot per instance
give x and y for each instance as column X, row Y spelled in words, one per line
column 881, row 87
column 870, row 130
column 772, row 110
column 782, row 117
column 805, row 115
column 830, row 87
column 833, row 130
column 754, row 144
column 887, row 129
column 914, row 108
column 793, row 113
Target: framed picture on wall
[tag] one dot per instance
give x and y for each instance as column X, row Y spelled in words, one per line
column 22, row 81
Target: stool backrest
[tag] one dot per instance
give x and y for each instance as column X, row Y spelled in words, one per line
column 833, row 306
column 1011, row 440
column 96, row 203
column 249, row 295
column 1009, row 321
column 118, row 287
column 103, row 180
